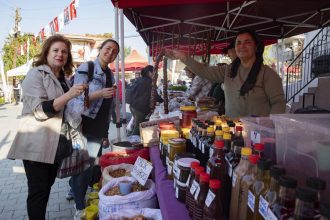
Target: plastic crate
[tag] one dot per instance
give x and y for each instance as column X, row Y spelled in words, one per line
column 303, row 145
column 260, row 130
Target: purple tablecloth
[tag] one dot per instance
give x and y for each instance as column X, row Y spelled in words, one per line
column 170, row 207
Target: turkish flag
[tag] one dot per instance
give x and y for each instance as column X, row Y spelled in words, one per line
column 55, row 21
column 73, row 10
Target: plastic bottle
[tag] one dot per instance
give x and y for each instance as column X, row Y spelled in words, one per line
column 200, row 196
column 227, row 139
column 247, row 180
column 269, row 198
column 284, row 206
column 216, row 161
column 319, row 185
column 206, row 144
column 190, row 180
column 193, row 188
column 213, row 203
column 304, row 205
column 325, row 211
column 260, row 186
column 238, row 174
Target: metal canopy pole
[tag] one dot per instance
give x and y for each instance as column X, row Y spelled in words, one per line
column 117, row 73
column 123, row 105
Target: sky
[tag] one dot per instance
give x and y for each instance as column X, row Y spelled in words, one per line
column 93, row 16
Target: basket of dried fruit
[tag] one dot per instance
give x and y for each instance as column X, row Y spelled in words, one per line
column 137, row 214
column 126, row 156
column 116, row 171
column 112, row 201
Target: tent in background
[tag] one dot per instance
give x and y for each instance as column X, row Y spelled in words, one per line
column 133, row 62
column 21, row 70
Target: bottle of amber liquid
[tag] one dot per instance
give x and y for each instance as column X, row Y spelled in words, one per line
column 238, row 174
column 193, row 188
column 200, row 196
column 213, row 203
column 190, row 180
column 246, row 182
column 269, row 198
column 216, row 164
column 260, row 186
column 304, row 205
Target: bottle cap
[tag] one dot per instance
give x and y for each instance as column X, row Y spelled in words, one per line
column 188, row 108
column 226, row 136
column 204, row 177
column 194, row 164
column 218, row 133
column 324, row 208
column 259, row 147
column 264, row 164
column 186, row 162
column 226, row 129
column 305, row 194
column 246, row 151
column 276, row 171
column 210, row 129
column 316, row 183
column 215, row 184
column 253, row 158
column 219, row 144
column 218, row 123
column 288, row 181
column 239, row 128
column 199, row 170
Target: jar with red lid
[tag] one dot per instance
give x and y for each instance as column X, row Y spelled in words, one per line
column 187, row 114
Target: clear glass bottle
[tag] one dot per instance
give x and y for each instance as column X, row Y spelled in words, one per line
column 304, row 205
column 238, row 174
column 284, row 206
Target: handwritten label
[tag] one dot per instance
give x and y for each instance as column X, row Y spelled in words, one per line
column 271, row 215
column 203, row 148
column 141, row 170
column 197, row 192
column 193, row 187
column 188, row 180
column 263, row 207
column 208, row 170
column 209, row 198
column 211, row 151
column 234, row 179
column 251, row 200
column 255, row 137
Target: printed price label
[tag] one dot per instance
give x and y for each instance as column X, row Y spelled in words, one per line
column 200, row 145
column 141, row 170
column 197, row 192
column 203, row 148
column 251, row 200
column 230, row 170
column 193, row 187
column 169, row 166
column 209, row 198
column 188, row 180
column 208, row 170
column 176, row 170
column 271, row 215
column 211, row 151
column 263, row 207
column 234, row 179
column 255, row 137
column 177, row 192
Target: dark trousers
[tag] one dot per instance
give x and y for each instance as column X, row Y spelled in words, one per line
column 40, row 177
column 139, row 117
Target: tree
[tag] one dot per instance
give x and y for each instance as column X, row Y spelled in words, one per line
column 127, row 51
column 13, row 45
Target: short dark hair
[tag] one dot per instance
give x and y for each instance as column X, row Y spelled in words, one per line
column 146, row 70
column 41, row 58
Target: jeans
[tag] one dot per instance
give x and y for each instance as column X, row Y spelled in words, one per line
column 79, row 183
column 40, row 177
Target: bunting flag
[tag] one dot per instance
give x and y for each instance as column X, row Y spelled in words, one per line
column 34, row 40
column 56, row 24
column 66, row 16
column 25, row 47
column 42, row 34
column 60, row 21
column 73, row 11
column 47, row 30
column 51, row 28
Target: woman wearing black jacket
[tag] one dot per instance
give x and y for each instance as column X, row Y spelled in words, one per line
column 140, row 102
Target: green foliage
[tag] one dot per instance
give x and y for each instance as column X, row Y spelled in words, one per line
column 127, row 51
column 11, row 47
column 104, row 35
column 177, row 88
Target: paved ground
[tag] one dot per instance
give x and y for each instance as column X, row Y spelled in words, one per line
column 13, row 183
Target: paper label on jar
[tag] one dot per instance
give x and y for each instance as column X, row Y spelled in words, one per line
column 203, row 148
column 263, row 207
column 209, row 198
column 199, row 145
column 208, row 170
column 160, row 146
column 169, row 149
column 188, row 180
column 230, row 170
column 177, row 192
column 169, row 166
column 193, row 187
column 197, row 192
column 251, row 200
column 174, row 184
column 271, row 215
column 255, row 137
column 233, row 181
column 211, row 151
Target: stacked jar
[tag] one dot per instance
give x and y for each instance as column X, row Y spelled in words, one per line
column 165, row 135
column 176, row 145
column 187, row 114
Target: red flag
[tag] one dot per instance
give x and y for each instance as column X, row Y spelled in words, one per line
column 73, row 11
column 56, row 24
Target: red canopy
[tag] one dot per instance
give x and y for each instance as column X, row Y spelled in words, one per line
column 133, row 62
column 191, row 22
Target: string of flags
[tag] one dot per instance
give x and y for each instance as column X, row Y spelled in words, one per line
column 59, row 22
